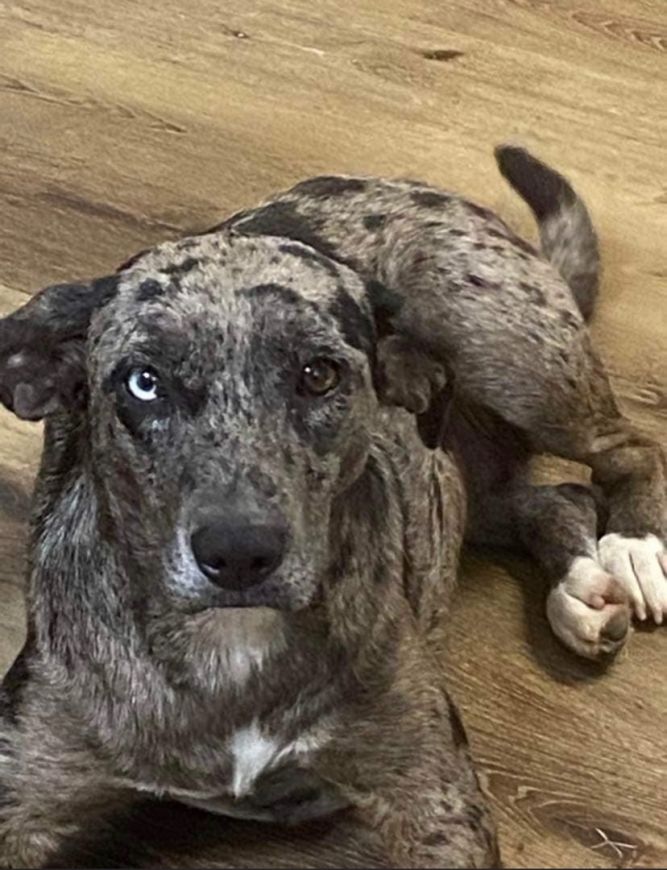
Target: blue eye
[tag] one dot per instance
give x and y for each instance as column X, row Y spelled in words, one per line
column 142, row 384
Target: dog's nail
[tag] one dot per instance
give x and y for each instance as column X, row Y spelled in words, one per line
column 617, row 627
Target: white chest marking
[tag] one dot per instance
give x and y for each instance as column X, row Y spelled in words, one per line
column 254, row 752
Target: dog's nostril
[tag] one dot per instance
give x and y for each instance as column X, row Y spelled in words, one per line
column 235, row 553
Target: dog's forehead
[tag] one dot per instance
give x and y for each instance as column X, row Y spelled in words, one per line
column 202, row 291
column 212, row 271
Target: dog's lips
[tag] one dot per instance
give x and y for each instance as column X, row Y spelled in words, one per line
column 269, row 595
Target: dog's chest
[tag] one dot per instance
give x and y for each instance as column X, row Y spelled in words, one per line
column 270, row 778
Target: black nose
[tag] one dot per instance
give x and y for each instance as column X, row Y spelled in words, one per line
column 235, row 552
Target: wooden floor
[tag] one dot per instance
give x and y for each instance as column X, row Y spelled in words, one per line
column 124, row 122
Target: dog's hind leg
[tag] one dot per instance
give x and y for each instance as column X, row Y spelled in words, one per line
column 587, row 608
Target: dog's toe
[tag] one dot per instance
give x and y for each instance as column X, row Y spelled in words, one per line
column 589, row 611
column 640, row 565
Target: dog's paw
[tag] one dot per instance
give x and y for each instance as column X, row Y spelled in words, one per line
column 640, row 564
column 589, row 610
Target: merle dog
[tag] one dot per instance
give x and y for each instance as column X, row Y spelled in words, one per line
column 259, row 445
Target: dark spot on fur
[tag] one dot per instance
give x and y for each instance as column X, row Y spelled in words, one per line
column 261, row 481
column 442, row 54
column 536, row 295
column 283, row 219
column 342, row 564
column 456, row 232
column 430, row 199
column 329, row 185
column 480, row 211
column 311, row 257
column 374, row 221
column 507, row 235
column 475, row 816
column 132, row 260
column 458, row 731
column 476, row 281
column 261, row 291
column 180, row 268
column 149, row 289
column 356, row 325
column 437, row 838
column 432, row 424
column 569, row 319
column 385, row 304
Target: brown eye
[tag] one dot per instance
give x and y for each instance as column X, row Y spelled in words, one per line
column 319, row 376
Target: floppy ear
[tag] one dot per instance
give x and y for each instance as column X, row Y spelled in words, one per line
column 42, row 348
column 406, row 375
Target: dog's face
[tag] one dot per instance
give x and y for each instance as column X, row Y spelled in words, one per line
column 231, row 401
column 228, row 388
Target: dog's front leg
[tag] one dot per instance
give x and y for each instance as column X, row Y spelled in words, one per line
column 407, row 770
column 50, row 791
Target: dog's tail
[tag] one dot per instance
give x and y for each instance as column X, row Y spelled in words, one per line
column 567, row 235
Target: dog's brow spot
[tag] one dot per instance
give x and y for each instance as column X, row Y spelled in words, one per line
column 149, row 289
column 374, row 221
column 261, row 291
column 180, row 268
column 430, row 199
column 442, row 54
column 329, row 185
column 312, row 258
column 357, row 326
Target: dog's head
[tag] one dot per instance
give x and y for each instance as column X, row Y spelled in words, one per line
column 225, row 392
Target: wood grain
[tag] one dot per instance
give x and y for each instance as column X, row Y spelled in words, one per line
column 125, row 123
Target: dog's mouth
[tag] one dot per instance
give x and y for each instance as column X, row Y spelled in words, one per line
column 273, row 594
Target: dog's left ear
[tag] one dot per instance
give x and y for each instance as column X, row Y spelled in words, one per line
column 406, row 375
column 42, row 348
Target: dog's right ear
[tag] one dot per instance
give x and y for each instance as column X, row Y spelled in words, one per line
column 406, row 375
column 42, row 348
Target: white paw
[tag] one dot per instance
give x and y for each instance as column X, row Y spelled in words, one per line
column 588, row 610
column 640, row 564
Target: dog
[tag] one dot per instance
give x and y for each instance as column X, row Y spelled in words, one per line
column 263, row 448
